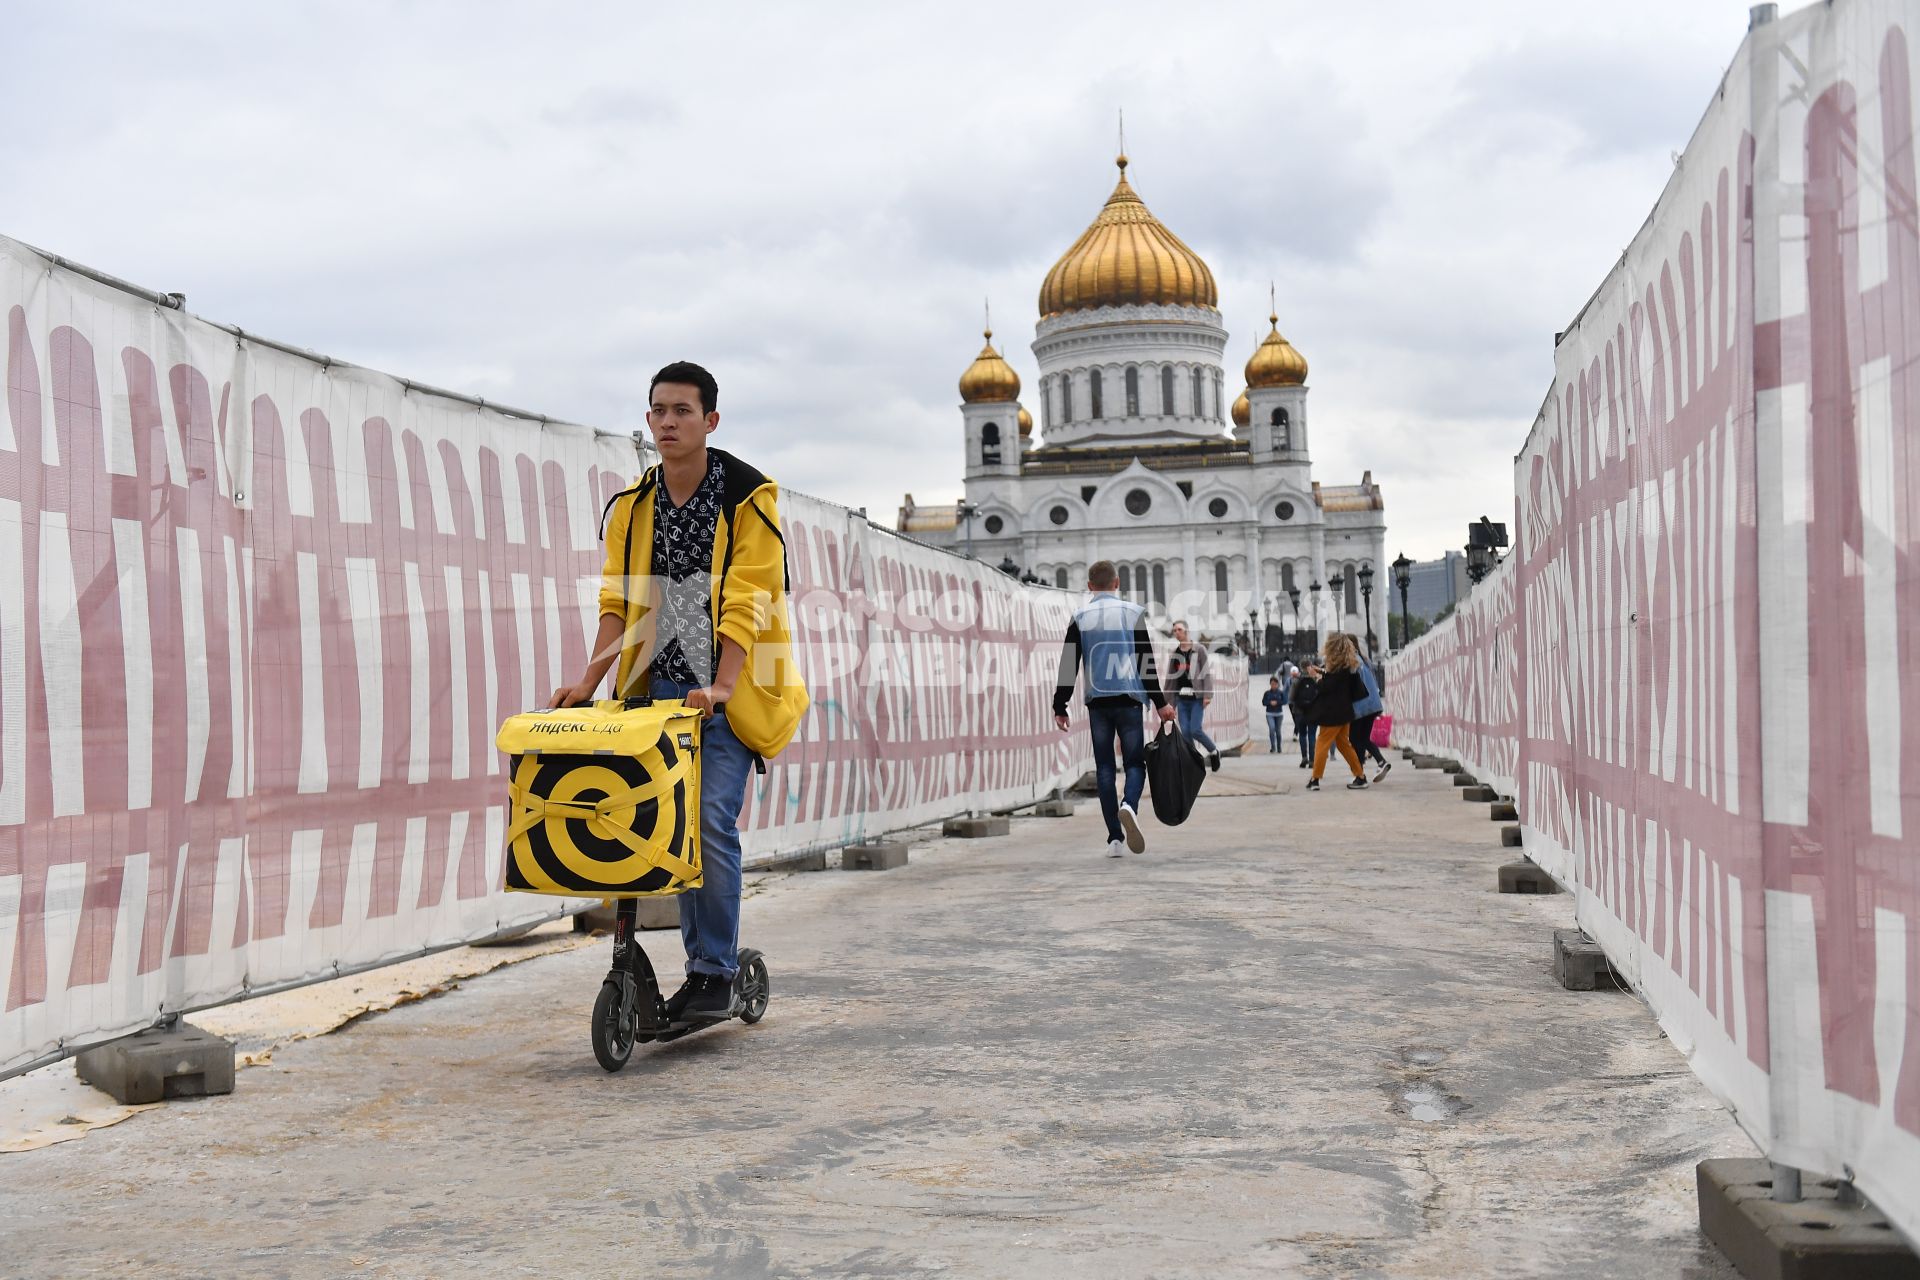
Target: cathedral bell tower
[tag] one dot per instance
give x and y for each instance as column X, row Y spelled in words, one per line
column 1277, row 399
column 990, row 408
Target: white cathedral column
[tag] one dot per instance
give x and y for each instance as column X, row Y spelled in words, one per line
column 1319, row 540
column 1189, row 574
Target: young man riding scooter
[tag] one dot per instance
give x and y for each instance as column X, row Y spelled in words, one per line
column 692, row 606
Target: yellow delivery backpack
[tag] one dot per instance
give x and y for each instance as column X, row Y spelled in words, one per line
column 604, row 800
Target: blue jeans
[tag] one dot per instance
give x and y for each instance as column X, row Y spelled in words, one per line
column 1107, row 722
column 1276, row 729
column 1191, row 709
column 710, row 915
column 1305, row 732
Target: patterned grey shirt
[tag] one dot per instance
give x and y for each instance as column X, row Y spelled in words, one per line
column 683, row 564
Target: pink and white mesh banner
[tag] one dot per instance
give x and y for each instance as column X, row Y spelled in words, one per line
column 1714, row 589
column 932, row 678
column 260, row 615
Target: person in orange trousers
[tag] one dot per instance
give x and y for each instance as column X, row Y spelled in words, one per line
column 1338, row 686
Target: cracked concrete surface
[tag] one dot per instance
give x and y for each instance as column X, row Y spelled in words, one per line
column 1301, row 1036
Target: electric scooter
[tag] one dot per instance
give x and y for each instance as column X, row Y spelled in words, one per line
column 630, row 1009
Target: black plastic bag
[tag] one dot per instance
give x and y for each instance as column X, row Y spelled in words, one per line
column 1174, row 774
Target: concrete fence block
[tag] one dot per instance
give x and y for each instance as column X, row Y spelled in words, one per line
column 876, row 855
column 1060, row 808
column 1821, row 1236
column 1452, row 766
column 1510, row 837
column 1504, row 811
column 1580, row 963
column 1477, row 794
column 648, row 913
column 1463, row 779
column 180, row 1061
column 975, row 828
column 1525, row 876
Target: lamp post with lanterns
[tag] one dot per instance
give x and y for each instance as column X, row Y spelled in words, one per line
column 1338, row 583
column 1314, row 588
column 1366, row 600
column 1293, row 632
column 1403, row 578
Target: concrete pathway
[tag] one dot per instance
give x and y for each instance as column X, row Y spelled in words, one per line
column 1301, row 1036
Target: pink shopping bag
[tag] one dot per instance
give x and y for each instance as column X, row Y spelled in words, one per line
column 1382, row 734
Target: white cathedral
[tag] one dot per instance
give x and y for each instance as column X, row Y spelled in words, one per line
column 1223, row 525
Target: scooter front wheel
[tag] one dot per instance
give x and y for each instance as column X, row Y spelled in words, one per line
column 612, row 1032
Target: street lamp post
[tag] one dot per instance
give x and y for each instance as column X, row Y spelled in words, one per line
column 1366, row 601
column 966, row 511
column 1339, row 584
column 1314, row 587
column 1253, row 636
column 1293, row 632
column 1403, row 578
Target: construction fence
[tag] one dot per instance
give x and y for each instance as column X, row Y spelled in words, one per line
column 1695, row 671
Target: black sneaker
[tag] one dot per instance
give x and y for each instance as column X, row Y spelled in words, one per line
column 1303, row 762
column 1213, row 761
column 1313, row 784
column 1358, row 784
column 677, row 1002
column 711, row 1000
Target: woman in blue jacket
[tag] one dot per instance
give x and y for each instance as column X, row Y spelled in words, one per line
column 1365, row 713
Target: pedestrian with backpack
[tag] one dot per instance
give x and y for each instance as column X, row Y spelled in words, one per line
column 1300, row 691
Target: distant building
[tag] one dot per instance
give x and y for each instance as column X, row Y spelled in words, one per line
column 1437, row 584
column 1206, row 503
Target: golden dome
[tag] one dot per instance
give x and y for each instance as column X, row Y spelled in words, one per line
column 989, row 379
column 1026, row 422
column 1127, row 257
column 1275, row 363
column 1242, row 411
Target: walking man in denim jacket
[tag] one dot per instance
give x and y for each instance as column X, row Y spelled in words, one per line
column 1109, row 636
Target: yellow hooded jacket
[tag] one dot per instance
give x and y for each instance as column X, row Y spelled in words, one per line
column 749, row 603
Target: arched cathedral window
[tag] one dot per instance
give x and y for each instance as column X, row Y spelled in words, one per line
column 990, row 445
column 1199, row 405
column 1286, row 576
column 1093, row 393
column 1133, row 391
column 1282, row 430
column 1353, row 590
column 1066, row 397
column 1220, row 584
column 1060, row 578
column 1166, row 390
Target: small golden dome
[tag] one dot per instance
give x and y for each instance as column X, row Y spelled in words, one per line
column 1026, row 422
column 1275, row 363
column 1127, row 257
column 989, row 379
column 1242, row 411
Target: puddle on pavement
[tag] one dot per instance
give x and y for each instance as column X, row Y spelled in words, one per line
column 1419, row 1096
column 1428, row 1104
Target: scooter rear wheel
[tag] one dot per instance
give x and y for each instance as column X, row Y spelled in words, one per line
column 755, row 987
column 612, row 1033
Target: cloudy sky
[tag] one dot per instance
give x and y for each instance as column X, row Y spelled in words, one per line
column 542, row 204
